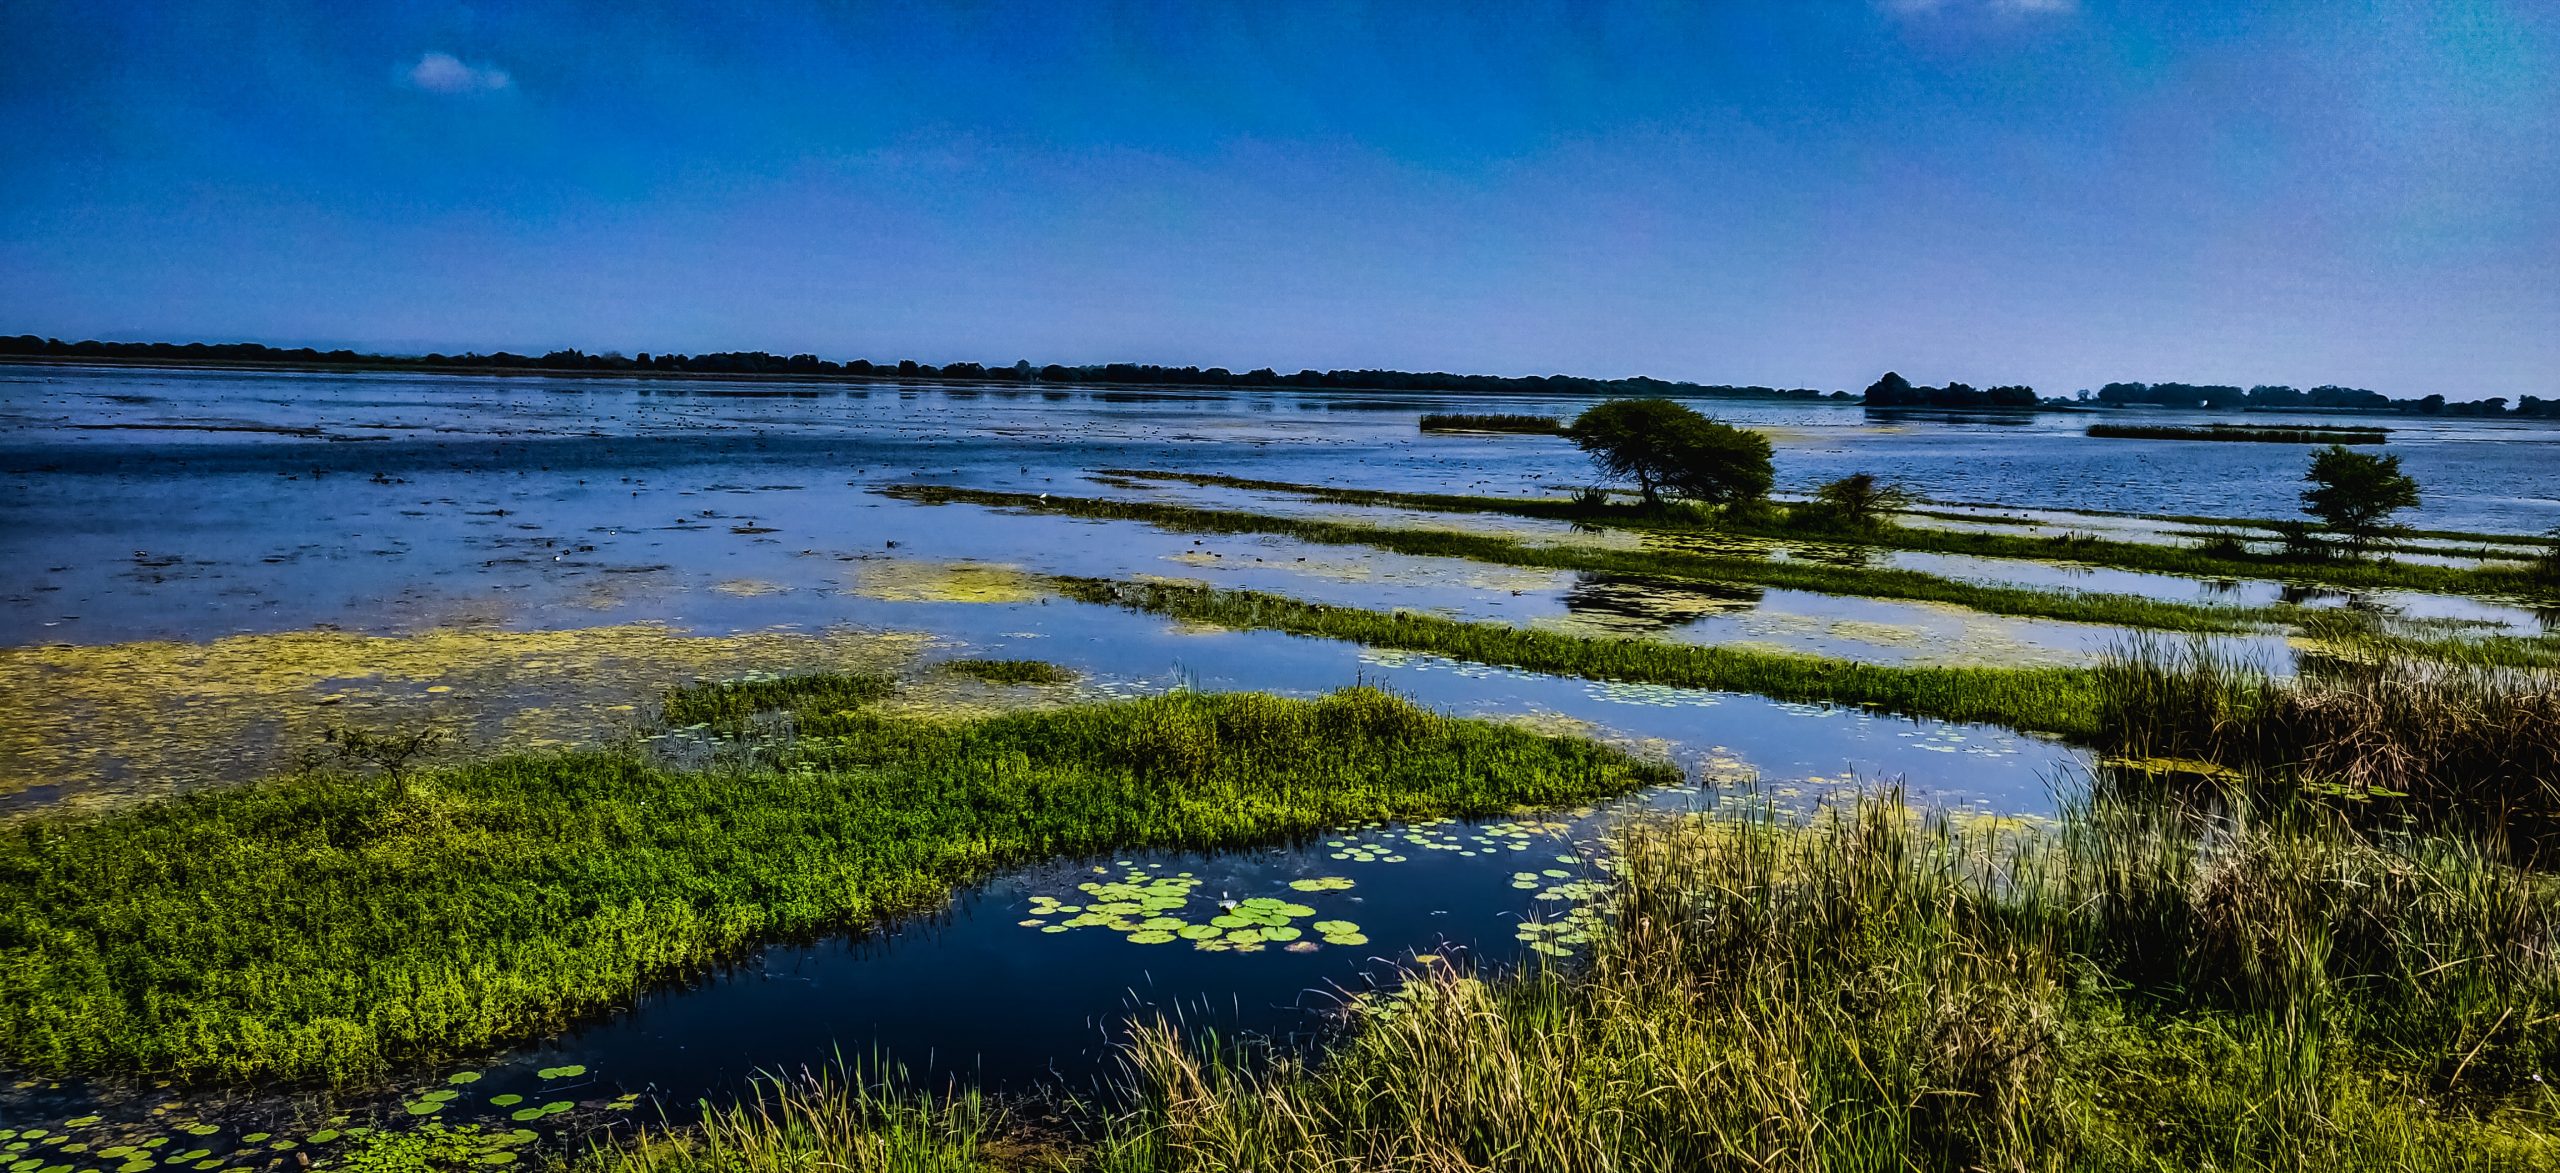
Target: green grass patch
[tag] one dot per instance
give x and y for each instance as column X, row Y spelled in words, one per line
column 1011, row 671
column 1862, row 581
column 2053, row 700
column 2220, row 560
column 728, row 705
column 1540, row 425
column 324, row 927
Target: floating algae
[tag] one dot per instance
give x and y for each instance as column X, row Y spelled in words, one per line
column 88, row 723
column 905, row 581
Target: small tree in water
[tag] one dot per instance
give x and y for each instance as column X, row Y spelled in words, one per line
column 1664, row 447
column 2355, row 494
column 1858, row 501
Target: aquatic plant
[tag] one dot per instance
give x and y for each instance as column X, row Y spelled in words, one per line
column 1461, row 422
column 1011, row 671
column 316, row 928
column 2055, row 700
column 728, row 705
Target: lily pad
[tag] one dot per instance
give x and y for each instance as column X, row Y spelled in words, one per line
column 566, row 1071
column 463, row 1077
column 506, row 1100
column 1150, row 937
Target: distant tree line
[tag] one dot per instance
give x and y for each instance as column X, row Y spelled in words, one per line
column 1895, row 391
column 2327, row 397
column 757, row 362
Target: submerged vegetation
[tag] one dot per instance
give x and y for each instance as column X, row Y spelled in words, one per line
column 1873, row 582
column 2298, row 434
column 501, row 899
column 1536, row 425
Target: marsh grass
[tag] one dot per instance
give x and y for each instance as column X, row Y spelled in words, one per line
column 2462, row 745
column 839, row 1119
column 729, row 705
column 322, row 927
column 1545, row 425
column 2150, row 986
column 2315, row 563
column 2303, row 434
column 2053, row 700
column 2152, row 989
column 1865, row 581
column 1011, row 671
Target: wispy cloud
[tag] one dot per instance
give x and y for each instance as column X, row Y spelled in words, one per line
column 444, row 73
column 1921, row 8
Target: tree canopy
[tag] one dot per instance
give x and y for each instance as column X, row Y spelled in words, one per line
column 1665, row 447
column 2355, row 493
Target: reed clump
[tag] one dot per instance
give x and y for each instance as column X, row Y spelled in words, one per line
column 2398, row 736
column 1540, row 425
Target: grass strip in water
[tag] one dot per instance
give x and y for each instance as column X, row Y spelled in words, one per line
column 1011, row 671
column 1857, row 581
column 2225, row 560
column 2050, row 700
column 323, row 927
column 1539, row 425
column 2240, row 433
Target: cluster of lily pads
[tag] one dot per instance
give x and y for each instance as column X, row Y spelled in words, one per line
column 96, row 1144
column 1378, row 843
column 1154, row 909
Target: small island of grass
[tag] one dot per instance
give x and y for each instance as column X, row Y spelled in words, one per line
column 1533, row 425
column 2292, row 434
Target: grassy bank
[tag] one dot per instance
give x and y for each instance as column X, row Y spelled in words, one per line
column 324, row 926
column 2221, row 560
column 1869, row 582
column 2054, row 700
column 2240, row 433
column 2146, row 989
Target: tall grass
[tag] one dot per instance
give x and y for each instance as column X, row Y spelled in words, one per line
column 2054, row 700
column 1866, row 581
column 2405, row 738
column 2213, row 559
column 322, row 927
column 1871, row 994
column 2154, row 986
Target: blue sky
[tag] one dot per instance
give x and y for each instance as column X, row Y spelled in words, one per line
column 1801, row 194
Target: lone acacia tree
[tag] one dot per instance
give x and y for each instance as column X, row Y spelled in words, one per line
column 1662, row 446
column 2355, row 493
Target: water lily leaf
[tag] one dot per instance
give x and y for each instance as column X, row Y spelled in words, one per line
column 463, row 1077
column 1150, row 937
column 1281, row 933
column 1199, row 932
column 326, row 1135
column 1345, row 939
column 1335, row 928
column 508, row 1100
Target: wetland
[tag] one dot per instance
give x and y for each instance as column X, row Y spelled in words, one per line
column 405, row 768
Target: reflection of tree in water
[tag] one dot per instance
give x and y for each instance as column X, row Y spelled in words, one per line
column 1652, row 604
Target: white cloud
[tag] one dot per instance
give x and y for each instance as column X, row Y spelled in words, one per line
column 444, row 73
column 1924, row 8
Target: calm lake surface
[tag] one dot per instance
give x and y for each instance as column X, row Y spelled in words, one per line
column 192, row 565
